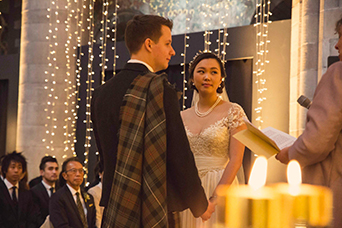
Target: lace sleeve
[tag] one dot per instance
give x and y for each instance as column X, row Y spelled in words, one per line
column 235, row 116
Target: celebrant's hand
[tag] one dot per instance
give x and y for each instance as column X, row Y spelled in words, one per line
column 283, row 155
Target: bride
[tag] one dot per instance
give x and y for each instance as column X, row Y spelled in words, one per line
column 209, row 125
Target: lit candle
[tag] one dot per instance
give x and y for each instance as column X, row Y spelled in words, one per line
column 252, row 205
column 302, row 204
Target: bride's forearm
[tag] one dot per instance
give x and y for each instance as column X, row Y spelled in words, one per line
column 229, row 174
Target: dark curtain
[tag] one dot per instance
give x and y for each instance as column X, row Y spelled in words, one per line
column 3, row 114
column 239, row 86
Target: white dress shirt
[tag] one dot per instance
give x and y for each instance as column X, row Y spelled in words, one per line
column 10, row 189
column 73, row 193
column 48, row 187
column 141, row 62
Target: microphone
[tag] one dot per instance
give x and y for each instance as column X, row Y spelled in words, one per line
column 304, row 101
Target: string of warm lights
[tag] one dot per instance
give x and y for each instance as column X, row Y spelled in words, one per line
column 103, row 39
column 114, row 30
column 206, row 25
column 81, row 6
column 222, row 42
column 50, row 82
column 183, row 64
column 0, row 18
column 89, row 89
column 47, row 76
column 261, row 24
column 68, row 89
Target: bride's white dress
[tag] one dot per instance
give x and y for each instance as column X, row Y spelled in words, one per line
column 211, row 149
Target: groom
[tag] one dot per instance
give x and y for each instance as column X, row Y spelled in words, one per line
column 148, row 39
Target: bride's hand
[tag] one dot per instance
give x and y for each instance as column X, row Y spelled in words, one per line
column 207, row 214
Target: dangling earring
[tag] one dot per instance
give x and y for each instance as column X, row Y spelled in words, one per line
column 192, row 85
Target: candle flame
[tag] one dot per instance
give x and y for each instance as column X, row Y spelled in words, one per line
column 294, row 177
column 258, row 173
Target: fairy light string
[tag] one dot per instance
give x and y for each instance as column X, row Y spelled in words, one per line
column 67, row 80
column 89, row 89
column 103, row 39
column 262, row 20
column 50, row 81
column 114, row 30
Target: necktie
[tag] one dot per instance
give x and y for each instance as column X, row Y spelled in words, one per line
column 51, row 191
column 80, row 210
column 14, row 197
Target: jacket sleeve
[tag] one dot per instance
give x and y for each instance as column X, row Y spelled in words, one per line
column 324, row 120
column 180, row 160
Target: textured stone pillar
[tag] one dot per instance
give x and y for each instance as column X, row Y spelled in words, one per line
column 304, row 51
column 313, row 39
column 32, row 95
column 330, row 12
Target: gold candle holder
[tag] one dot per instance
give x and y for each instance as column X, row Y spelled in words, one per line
column 249, row 206
column 293, row 205
column 311, row 206
column 242, row 207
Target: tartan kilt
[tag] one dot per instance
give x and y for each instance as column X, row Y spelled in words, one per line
column 138, row 193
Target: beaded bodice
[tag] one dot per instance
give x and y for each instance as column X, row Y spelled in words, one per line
column 211, row 146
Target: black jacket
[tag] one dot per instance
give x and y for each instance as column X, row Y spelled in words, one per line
column 41, row 199
column 184, row 188
column 64, row 212
column 27, row 214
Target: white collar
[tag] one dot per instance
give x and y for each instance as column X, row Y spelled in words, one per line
column 73, row 191
column 9, row 185
column 141, row 62
column 47, row 186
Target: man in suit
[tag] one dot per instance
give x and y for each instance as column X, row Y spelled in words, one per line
column 319, row 148
column 148, row 39
column 70, row 206
column 17, row 209
column 42, row 192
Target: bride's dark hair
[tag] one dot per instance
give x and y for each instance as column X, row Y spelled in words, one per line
column 198, row 58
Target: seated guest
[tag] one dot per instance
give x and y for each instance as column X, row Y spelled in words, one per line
column 43, row 191
column 17, row 209
column 70, row 206
column 96, row 192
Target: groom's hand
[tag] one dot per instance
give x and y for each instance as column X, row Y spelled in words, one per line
column 210, row 209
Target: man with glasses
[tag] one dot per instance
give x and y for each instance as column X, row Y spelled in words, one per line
column 70, row 206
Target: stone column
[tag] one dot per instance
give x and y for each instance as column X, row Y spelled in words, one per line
column 313, row 39
column 32, row 100
column 304, row 51
column 330, row 12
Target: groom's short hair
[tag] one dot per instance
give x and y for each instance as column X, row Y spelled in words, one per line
column 142, row 27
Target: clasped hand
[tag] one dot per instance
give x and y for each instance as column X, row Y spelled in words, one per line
column 210, row 209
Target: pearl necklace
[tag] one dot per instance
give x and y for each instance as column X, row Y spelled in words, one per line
column 203, row 114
